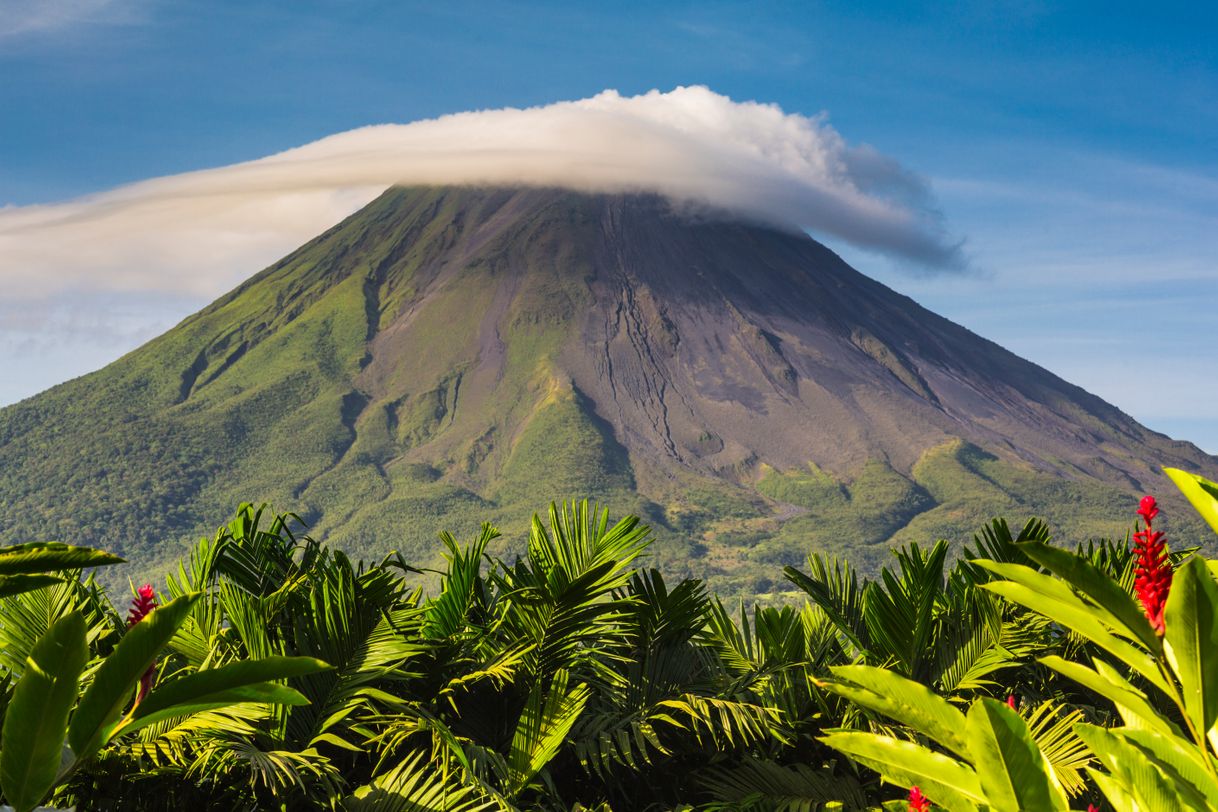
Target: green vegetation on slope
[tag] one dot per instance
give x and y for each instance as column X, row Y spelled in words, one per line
column 954, row 487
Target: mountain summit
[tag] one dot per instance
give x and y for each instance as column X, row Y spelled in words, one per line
column 451, row 355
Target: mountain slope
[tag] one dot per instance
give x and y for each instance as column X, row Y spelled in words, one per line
column 447, row 356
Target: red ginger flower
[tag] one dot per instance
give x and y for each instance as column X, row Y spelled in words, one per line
column 143, row 604
column 1152, row 574
column 917, row 801
column 1012, row 703
column 1148, row 509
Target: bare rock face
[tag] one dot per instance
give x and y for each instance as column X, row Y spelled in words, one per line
column 449, row 355
column 718, row 346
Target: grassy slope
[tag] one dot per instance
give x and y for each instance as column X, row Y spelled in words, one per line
column 954, row 490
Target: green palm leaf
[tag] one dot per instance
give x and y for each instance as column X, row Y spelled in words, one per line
column 756, row 785
column 1052, row 728
column 414, row 786
column 25, row 618
column 544, row 724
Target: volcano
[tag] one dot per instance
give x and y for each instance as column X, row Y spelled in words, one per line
column 452, row 355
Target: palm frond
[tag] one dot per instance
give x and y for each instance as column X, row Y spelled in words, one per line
column 176, row 742
column 837, row 591
column 969, row 646
column 351, row 627
column 280, row 774
column 732, row 642
column 1052, row 726
column 579, row 541
column 416, row 786
column 720, row 723
column 499, row 673
column 27, row 616
column 544, row 725
column 566, row 597
column 664, row 617
column 900, row 615
column 604, row 741
column 755, row 785
column 448, row 614
column 995, row 542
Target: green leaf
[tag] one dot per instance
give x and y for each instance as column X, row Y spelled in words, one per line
column 1178, row 754
column 50, row 556
column 1134, row 770
column 1200, row 491
column 416, row 785
column 1014, row 774
column 1113, row 687
column 1113, row 790
column 1191, row 640
column 202, row 684
column 1056, row 591
column 910, row 703
column 943, row 779
column 261, row 692
column 118, row 674
column 16, row 584
column 543, row 729
column 1088, row 579
column 37, row 715
column 1052, row 728
column 1053, row 599
column 244, row 681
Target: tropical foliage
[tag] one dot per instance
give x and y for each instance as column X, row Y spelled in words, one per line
column 277, row 673
column 1154, row 660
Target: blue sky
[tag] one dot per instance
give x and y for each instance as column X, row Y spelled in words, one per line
column 1073, row 146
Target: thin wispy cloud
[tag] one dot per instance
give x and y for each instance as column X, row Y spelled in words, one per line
column 20, row 17
column 202, row 232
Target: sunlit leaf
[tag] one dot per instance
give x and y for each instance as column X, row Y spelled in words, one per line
column 1191, row 640
column 37, row 716
column 944, row 780
column 51, row 556
column 1202, row 493
column 1014, row 774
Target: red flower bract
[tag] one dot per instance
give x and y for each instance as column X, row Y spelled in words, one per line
column 917, row 801
column 1152, row 573
column 1148, row 509
column 141, row 606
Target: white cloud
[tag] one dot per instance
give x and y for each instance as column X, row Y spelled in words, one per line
column 202, row 232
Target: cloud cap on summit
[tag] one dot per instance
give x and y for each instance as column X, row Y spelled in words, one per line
column 201, row 232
